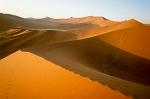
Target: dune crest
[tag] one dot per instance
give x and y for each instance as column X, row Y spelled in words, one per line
column 111, row 50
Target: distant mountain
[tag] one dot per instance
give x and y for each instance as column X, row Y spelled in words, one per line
column 86, row 45
column 46, row 19
column 12, row 21
column 8, row 21
column 101, row 21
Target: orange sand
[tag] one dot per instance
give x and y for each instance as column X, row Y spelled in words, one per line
column 26, row 76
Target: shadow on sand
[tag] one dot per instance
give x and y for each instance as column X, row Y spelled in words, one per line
column 102, row 62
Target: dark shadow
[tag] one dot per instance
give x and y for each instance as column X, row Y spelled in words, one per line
column 90, row 57
column 10, row 43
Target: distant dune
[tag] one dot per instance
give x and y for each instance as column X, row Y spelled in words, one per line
column 11, row 21
column 114, row 53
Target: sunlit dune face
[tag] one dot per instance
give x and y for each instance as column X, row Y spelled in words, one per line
column 132, row 40
column 27, row 76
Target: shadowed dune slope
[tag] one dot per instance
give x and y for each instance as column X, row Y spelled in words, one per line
column 118, row 49
column 86, row 58
column 18, row 38
column 134, row 40
column 104, row 58
column 24, row 75
column 117, row 42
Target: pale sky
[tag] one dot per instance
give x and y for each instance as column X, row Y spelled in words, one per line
column 111, row 9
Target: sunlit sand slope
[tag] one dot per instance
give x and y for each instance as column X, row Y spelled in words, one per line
column 24, row 75
column 91, row 46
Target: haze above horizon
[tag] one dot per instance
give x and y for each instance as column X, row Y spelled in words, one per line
column 112, row 9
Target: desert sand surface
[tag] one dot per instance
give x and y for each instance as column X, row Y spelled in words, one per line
column 116, row 54
column 28, row 76
column 75, row 59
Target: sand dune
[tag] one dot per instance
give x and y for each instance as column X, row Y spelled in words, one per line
column 101, row 21
column 8, row 21
column 76, row 57
column 133, row 40
column 24, row 75
column 91, row 46
column 50, row 36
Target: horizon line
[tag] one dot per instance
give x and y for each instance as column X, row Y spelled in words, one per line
column 74, row 17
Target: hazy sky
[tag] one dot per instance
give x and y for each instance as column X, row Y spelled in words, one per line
column 111, row 9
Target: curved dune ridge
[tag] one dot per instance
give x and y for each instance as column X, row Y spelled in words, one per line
column 101, row 21
column 114, row 53
column 24, row 75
